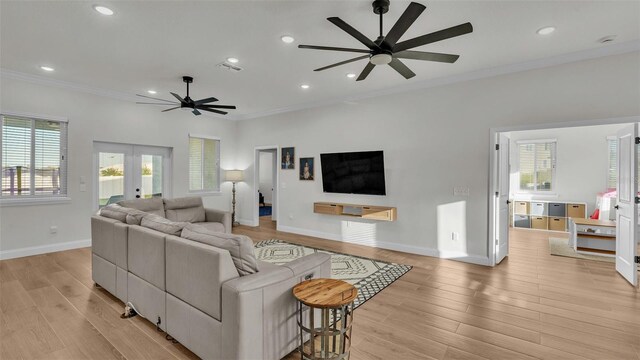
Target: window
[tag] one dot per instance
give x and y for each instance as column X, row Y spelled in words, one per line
column 537, row 165
column 34, row 153
column 204, row 164
column 612, row 173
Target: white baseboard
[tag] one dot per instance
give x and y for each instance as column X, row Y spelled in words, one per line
column 43, row 249
column 418, row 250
column 246, row 222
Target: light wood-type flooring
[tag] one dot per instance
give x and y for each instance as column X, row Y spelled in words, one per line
column 533, row 305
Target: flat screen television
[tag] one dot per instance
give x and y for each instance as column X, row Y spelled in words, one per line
column 353, row 173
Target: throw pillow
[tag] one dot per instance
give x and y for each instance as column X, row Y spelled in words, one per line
column 239, row 246
column 163, row 225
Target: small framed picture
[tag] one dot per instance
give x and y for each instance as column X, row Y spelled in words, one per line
column 288, row 158
column 306, row 168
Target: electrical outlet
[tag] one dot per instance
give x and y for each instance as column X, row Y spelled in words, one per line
column 53, row 230
column 283, row 185
column 461, row 191
column 290, row 216
column 454, row 236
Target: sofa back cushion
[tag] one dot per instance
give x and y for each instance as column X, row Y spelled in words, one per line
column 162, row 224
column 152, row 206
column 239, row 246
column 121, row 213
column 187, row 209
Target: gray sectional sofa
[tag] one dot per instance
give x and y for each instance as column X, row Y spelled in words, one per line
column 180, row 268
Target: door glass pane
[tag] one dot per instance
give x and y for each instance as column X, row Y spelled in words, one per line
column 110, row 178
column 151, row 176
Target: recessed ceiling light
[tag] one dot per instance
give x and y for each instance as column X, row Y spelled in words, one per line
column 152, row 92
column 287, row 39
column 304, row 86
column 232, row 60
column 46, row 68
column 103, row 10
column 351, row 75
column 546, row 30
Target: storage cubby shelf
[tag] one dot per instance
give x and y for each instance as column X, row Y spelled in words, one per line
column 546, row 215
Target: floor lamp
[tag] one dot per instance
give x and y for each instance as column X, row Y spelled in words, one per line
column 234, row 176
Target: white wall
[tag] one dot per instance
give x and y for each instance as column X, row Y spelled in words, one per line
column 433, row 139
column 581, row 162
column 93, row 118
column 266, row 175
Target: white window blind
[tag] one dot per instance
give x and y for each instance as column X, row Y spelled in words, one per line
column 34, row 155
column 537, row 165
column 204, row 164
column 612, row 173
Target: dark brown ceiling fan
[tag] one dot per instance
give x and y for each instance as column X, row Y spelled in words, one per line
column 386, row 49
column 188, row 103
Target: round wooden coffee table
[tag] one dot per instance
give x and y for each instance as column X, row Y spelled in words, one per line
column 333, row 299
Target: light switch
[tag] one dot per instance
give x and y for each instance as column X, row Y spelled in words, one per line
column 83, row 187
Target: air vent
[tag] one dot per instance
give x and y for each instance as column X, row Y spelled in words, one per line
column 225, row 65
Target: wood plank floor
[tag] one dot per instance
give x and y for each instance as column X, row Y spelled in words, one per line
column 533, row 305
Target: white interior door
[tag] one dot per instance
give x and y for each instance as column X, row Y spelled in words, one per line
column 124, row 171
column 627, row 210
column 502, row 198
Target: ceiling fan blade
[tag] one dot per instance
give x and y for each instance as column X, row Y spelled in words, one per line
column 353, row 32
column 434, row 36
column 342, row 62
column 196, row 112
column 165, row 104
column 331, row 48
column 400, row 67
column 427, row 56
column 365, row 72
column 152, row 98
column 215, row 111
column 402, row 25
column 204, row 107
column 207, row 100
column 173, row 108
column 178, row 97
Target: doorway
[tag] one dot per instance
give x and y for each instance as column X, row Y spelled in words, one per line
column 556, row 181
column 265, row 205
column 126, row 171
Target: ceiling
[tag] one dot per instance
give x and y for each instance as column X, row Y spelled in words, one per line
column 150, row 45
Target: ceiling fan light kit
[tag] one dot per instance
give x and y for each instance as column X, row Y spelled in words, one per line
column 386, row 50
column 187, row 103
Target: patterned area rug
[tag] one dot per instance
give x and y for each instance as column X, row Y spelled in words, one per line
column 369, row 276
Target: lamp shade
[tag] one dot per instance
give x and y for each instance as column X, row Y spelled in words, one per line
column 234, row 175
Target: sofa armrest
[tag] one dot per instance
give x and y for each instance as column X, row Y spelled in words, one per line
column 259, row 310
column 312, row 266
column 224, row 217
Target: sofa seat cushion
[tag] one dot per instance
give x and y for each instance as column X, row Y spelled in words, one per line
column 162, row 224
column 214, row 227
column 152, row 206
column 187, row 209
column 239, row 246
column 117, row 212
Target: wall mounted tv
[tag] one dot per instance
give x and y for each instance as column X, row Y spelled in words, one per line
column 353, row 173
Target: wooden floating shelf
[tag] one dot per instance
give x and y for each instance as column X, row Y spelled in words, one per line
column 372, row 212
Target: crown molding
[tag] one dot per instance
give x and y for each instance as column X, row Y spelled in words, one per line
column 87, row 89
column 608, row 50
column 603, row 51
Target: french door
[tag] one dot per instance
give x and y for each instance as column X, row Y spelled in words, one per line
column 125, row 171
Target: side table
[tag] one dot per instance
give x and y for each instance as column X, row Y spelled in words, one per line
column 334, row 299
